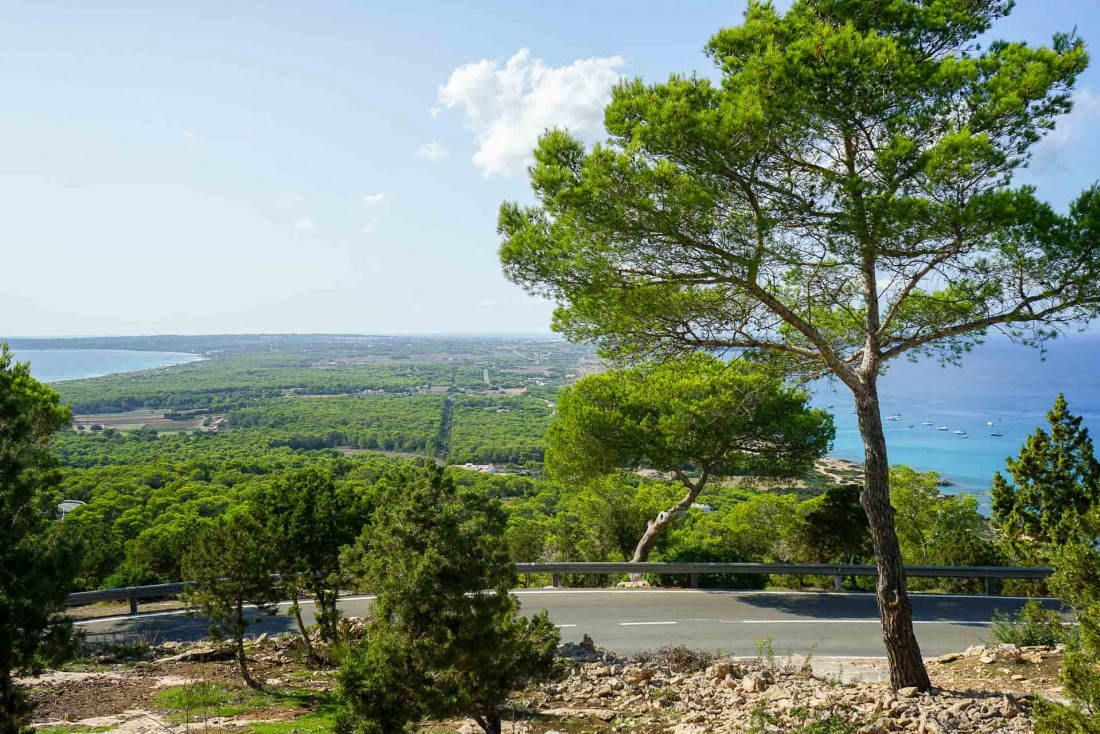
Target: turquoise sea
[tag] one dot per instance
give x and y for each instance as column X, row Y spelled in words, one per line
column 54, row 365
column 1011, row 386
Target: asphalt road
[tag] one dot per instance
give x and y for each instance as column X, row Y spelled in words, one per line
column 630, row 621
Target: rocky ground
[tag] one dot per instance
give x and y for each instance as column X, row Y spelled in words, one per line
column 177, row 688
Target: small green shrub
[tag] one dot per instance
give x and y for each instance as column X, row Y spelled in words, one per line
column 1032, row 625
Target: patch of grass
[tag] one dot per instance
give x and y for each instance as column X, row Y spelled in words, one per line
column 206, row 700
column 71, row 729
column 322, row 721
column 831, row 725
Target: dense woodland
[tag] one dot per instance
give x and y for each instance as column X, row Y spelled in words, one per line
column 148, row 495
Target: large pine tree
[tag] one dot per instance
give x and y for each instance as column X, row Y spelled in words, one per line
column 842, row 197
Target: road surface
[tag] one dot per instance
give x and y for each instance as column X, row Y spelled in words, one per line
column 630, row 621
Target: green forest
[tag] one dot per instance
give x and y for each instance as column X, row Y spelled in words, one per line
column 267, row 414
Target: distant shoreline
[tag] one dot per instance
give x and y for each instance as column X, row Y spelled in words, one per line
column 45, row 363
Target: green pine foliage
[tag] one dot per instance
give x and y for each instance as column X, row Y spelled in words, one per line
column 37, row 563
column 308, row 518
column 1077, row 581
column 231, row 562
column 445, row 624
column 1054, row 491
column 694, row 415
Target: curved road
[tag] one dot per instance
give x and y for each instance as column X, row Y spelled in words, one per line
column 630, row 621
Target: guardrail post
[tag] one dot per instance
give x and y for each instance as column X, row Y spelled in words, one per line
column 695, row 581
column 554, row 580
column 992, row 586
column 527, row 581
column 838, row 582
column 133, row 601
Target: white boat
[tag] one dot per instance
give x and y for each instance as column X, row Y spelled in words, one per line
column 926, row 423
column 996, row 434
column 959, row 432
column 895, row 416
column 830, row 405
column 989, row 423
column 941, row 428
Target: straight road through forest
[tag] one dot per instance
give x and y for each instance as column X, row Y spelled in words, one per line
column 630, row 621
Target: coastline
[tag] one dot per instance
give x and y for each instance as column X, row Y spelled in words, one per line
column 53, row 360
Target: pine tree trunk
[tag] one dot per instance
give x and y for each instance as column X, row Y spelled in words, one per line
column 491, row 723
column 302, row 630
column 8, row 723
column 240, row 648
column 895, row 611
column 658, row 524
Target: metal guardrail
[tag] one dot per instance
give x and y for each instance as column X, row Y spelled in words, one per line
column 129, row 593
column 993, row 575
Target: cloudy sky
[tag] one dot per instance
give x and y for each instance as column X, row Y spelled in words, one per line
column 213, row 167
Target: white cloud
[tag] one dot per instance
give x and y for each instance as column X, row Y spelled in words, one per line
column 288, row 199
column 372, row 200
column 370, row 226
column 1062, row 146
column 508, row 107
column 433, row 151
column 191, row 139
column 435, row 112
column 303, row 224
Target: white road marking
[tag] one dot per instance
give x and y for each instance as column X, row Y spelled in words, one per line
column 638, row 624
column 559, row 626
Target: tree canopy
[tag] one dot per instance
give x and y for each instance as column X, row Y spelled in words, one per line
column 694, row 413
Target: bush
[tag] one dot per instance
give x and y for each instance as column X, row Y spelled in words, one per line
column 709, row 553
column 1077, row 582
column 1033, row 625
column 130, row 573
column 447, row 637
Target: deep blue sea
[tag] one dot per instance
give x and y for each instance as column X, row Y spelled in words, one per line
column 1011, row 386
column 53, row 365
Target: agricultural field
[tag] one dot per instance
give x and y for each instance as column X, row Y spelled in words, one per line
column 158, row 420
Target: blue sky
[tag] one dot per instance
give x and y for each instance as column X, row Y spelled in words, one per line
column 327, row 166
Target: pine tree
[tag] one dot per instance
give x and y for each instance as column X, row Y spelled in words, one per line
column 447, row 637
column 309, row 519
column 230, row 563
column 37, row 564
column 1055, row 486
